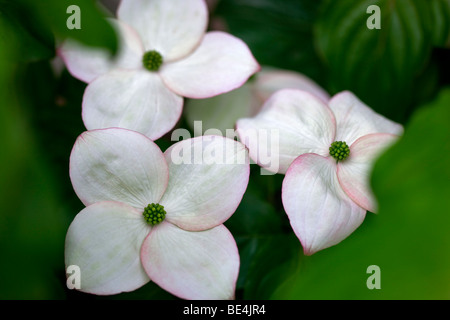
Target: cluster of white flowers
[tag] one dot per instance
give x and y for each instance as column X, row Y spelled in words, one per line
column 149, row 217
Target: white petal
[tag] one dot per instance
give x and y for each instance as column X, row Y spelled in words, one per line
column 104, row 241
column 192, row 265
column 220, row 64
column 292, row 122
column 222, row 112
column 319, row 211
column 354, row 173
column 173, row 28
column 118, row 165
column 270, row 80
column 355, row 119
column 87, row 63
column 135, row 100
column 207, row 179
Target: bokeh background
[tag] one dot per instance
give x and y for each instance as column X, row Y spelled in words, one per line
column 401, row 70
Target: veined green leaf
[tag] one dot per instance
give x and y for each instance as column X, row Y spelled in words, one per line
column 408, row 239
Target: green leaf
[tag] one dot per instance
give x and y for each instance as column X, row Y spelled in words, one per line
column 411, row 182
column 33, row 26
column 409, row 239
column 52, row 15
column 24, row 30
column 33, row 217
column 440, row 22
column 279, row 33
column 380, row 65
column 269, row 258
column 262, row 232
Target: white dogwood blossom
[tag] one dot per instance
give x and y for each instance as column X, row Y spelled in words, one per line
column 165, row 54
column 326, row 151
column 221, row 112
column 149, row 218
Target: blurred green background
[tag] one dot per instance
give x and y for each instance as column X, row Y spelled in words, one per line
column 401, row 70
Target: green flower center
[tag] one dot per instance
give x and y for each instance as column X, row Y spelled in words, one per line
column 154, row 214
column 152, row 60
column 339, row 150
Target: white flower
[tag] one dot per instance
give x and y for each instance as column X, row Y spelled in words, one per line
column 327, row 152
column 147, row 217
column 221, row 112
column 164, row 55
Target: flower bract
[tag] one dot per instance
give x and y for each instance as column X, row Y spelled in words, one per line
column 148, row 217
column 165, row 54
column 326, row 151
column 221, row 112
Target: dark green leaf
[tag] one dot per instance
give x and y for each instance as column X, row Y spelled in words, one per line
column 409, row 239
column 33, row 217
column 279, row 33
column 24, row 31
column 380, row 65
column 52, row 14
column 440, row 22
column 265, row 241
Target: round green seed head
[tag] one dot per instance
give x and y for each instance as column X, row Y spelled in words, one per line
column 154, row 213
column 152, row 60
column 339, row 150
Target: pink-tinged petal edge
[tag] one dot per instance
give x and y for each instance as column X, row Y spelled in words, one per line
column 95, row 178
column 220, row 64
column 87, row 63
column 270, row 80
column 319, row 211
column 192, row 265
column 355, row 119
column 291, row 122
column 132, row 99
column 354, row 173
column 208, row 178
column 104, row 242
column 173, row 28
